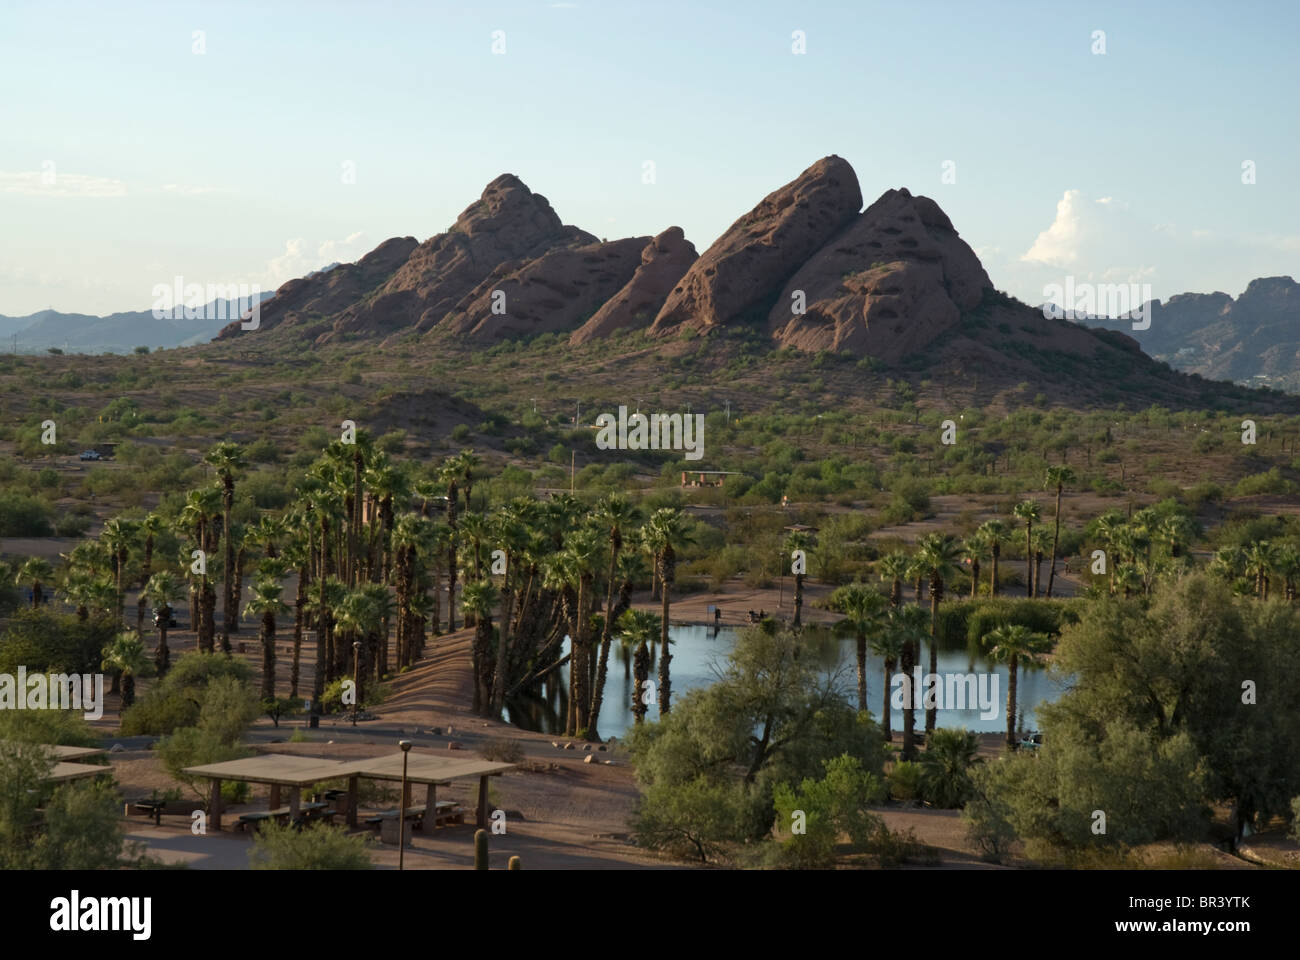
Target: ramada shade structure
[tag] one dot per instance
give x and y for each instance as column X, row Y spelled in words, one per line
column 63, row 770
column 282, row 770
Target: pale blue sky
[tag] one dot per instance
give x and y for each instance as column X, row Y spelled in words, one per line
column 226, row 166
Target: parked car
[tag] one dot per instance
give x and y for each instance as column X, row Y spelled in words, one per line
column 171, row 621
column 1031, row 741
column 91, row 455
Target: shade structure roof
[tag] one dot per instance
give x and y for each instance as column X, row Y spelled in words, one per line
column 60, row 752
column 63, row 771
column 273, row 768
column 426, row 768
column 292, row 771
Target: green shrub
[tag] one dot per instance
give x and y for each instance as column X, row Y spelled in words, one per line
column 503, row 750
column 319, row 847
column 905, row 781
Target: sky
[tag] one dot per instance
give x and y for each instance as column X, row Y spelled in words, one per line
column 251, row 143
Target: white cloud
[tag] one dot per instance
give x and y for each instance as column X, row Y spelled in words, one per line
column 189, row 191
column 51, row 183
column 1058, row 245
column 296, row 262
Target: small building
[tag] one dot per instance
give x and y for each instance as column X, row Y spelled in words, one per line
column 707, row 478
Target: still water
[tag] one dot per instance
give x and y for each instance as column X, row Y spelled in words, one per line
column 699, row 653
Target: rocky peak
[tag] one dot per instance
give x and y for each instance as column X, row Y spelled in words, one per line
column 745, row 267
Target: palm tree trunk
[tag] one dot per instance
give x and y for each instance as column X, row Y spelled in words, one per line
column 665, row 680
column 640, row 674
column 268, row 656
column 1056, row 538
column 936, row 595
column 1029, row 558
column 1012, row 665
column 993, row 573
column 909, row 718
column 885, row 712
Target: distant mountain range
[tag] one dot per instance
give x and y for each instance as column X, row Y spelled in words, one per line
column 807, row 268
column 117, row 332
column 1253, row 339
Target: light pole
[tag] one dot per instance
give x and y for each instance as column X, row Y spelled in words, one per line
column 356, row 679
column 401, row 803
column 728, row 403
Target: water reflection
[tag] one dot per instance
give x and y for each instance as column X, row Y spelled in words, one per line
column 699, row 650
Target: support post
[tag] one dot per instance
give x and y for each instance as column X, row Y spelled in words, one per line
column 275, row 797
column 482, row 801
column 352, row 801
column 214, row 805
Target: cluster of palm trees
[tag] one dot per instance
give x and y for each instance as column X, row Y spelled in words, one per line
column 375, row 553
column 1254, row 568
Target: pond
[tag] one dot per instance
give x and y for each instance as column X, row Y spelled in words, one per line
column 698, row 649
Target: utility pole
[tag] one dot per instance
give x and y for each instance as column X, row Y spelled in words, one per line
column 728, row 403
column 573, row 459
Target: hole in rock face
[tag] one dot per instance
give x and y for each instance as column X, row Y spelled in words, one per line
column 891, row 231
column 710, row 272
column 887, row 315
column 907, row 242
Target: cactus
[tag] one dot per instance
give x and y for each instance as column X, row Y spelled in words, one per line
column 480, row 850
column 513, row 864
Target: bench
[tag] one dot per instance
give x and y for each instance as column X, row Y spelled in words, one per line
column 247, row 820
column 412, row 813
column 448, row 812
column 153, row 808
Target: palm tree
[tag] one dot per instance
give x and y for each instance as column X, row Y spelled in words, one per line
column 579, row 564
column 162, row 591
column 469, row 462
column 117, row 537
column 228, row 459
column 1259, row 561
column 948, row 757
column 1030, row 513
column 864, row 616
column 938, row 553
column 76, row 588
column 480, row 600
column 1176, row 530
column 798, row 540
column 1286, row 564
column 665, row 533
column 36, row 571
column 974, row 549
column 892, row 569
column 1041, row 542
column 639, row 628
column 267, row 604
column 995, row 533
column 1126, row 577
column 1110, row 527
column 149, row 528
column 356, row 618
column 908, row 625
column 450, row 474
column 1008, row 644
column 124, row 656
column 615, row 514
column 1057, row 477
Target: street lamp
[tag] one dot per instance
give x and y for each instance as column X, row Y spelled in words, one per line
column 356, row 679
column 401, row 813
